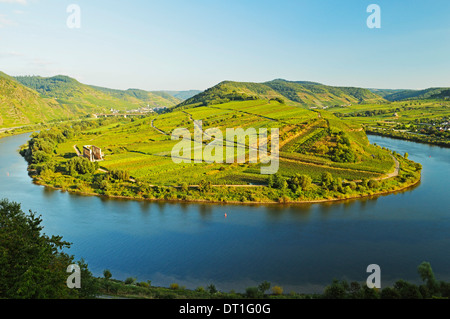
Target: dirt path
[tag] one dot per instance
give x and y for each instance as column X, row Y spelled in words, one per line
column 160, row 131
column 396, row 171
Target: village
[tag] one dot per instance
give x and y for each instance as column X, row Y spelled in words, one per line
column 135, row 112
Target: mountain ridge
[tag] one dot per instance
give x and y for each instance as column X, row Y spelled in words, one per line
column 302, row 93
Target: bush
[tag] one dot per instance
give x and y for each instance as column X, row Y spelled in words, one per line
column 373, row 184
column 277, row 290
column 143, row 284
column 407, row 290
column 200, row 289
column 80, row 165
column 389, row 293
column 119, row 175
column 174, row 286
column 253, row 293
column 40, row 157
column 130, row 281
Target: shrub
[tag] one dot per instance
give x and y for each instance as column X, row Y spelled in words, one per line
column 277, row 290
column 80, row 165
column 130, row 281
column 119, row 175
column 174, row 286
column 253, row 293
column 200, row 289
column 373, row 184
column 389, row 293
column 143, row 284
column 39, row 157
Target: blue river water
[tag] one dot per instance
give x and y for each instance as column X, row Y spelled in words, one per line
column 299, row 247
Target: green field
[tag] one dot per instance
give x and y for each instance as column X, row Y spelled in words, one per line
column 321, row 157
column 417, row 120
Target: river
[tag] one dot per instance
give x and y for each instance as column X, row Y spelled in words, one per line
column 299, row 247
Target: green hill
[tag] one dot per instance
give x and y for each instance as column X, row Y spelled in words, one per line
column 183, row 95
column 84, row 98
column 309, row 94
column 20, row 105
column 401, row 95
column 141, row 98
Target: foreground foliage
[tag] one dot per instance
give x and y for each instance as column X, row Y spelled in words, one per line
column 32, row 264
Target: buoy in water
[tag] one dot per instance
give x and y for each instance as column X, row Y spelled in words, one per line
column 226, row 215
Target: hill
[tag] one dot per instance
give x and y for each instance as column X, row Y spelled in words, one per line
column 85, row 98
column 20, row 105
column 401, row 95
column 309, row 94
column 141, row 98
column 183, row 95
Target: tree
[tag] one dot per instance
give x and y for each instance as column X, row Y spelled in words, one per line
column 389, row 293
column 427, row 275
column 107, row 274
column 212, row 289
column 407, row 290
column 264, row 286
column 40, row 157
column 119, row 175
column 277, row 290
column 355, row 290
column 326, row 180
column 89, row 287
column 337, row 290
column 298, row 181
column 33, row 265
column 80, row 165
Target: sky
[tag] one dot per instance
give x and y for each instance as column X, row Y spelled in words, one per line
column 195, row 44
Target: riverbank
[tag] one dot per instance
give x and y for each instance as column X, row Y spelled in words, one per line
column 408, row 176
column 405, row 136
column 318, row 201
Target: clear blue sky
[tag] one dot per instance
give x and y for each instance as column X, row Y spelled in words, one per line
column 194, row 44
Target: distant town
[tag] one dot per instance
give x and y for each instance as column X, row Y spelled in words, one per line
column 134, row 112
